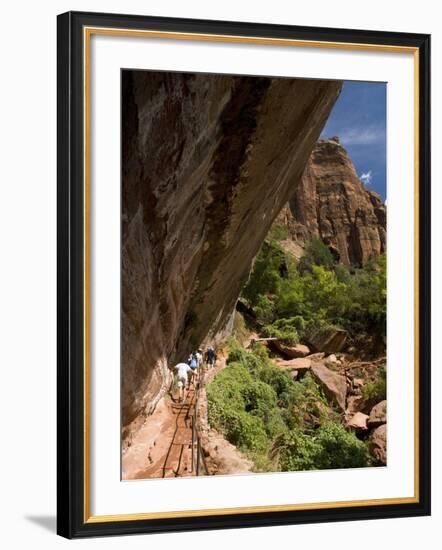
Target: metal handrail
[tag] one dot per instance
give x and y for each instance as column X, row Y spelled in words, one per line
column 196, row 440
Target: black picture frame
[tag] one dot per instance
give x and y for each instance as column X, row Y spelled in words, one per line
column 72, row 522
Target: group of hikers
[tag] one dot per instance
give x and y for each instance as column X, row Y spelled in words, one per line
column 187, row 373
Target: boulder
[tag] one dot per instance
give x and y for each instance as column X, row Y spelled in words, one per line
column 353, row 404
column 378, row 415
column 332, row 359
column 333, row 384
column 316, row 357
column 293, row 352
column 329, row 340
column 303, row 363
column 358, row 421
column 378, row 444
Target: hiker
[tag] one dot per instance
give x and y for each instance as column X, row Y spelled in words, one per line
column 210, row 357
column 199, row 357
column 193, row 369
column 183, row 370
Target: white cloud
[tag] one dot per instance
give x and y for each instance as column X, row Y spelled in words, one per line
column 362, row 136
column 366, row 177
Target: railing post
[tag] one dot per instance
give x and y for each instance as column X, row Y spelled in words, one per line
column 198, row 454
column 193, row 445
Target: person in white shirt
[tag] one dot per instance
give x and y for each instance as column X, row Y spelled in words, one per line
column 182, row 369
column 199, row 357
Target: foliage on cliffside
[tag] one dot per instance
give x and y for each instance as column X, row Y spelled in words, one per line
column 289, row 297
column 283, row 425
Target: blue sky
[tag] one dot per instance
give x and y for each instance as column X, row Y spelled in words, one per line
column 359, row 119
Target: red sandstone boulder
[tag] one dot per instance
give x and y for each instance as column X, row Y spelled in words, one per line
column 316, row 357
column 354, row 402
column 327, row 340
column 358, row 422
column 378, row 415
column 293, row 352
column 333, row 384
column 378, row 444
column 295, row 364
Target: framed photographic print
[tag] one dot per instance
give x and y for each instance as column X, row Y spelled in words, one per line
column 243, row 274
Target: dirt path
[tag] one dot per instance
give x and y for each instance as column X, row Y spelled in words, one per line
column 162, row 447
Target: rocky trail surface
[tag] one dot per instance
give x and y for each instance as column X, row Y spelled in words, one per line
column 163, row 446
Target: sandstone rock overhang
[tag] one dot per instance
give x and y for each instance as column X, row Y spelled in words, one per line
column 208, row 161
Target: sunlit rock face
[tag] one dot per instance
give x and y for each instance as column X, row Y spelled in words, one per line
column 331, row 203
column 208, row 162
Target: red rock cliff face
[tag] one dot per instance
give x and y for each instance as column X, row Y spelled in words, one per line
column 208, row 162
column 331, row 203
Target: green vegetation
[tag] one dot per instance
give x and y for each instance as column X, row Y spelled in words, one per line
column 286, row 329
column 280, row 423
column 331, row 447
column 316, row 253
column 376, row 390
column 289, row 299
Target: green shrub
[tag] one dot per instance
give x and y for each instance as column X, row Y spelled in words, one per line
column 259, row 397
column 277, row 379
column 340, row 448
column 316, row 252
column 245, row 430
column 243, row 405
column 306, row 405
column 317, row 291
column 331, row 447
column 264, row 308
column 278, row 233
column 376, row 390
column 286, row 329
column 297, row 451
column 266, row 277
column 236, row 352
column 279, row 423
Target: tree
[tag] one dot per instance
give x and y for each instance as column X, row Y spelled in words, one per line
column 316, row 252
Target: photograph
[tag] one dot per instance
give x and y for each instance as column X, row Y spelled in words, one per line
column 253, row 274
column 220, row 233
column 243, row 321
